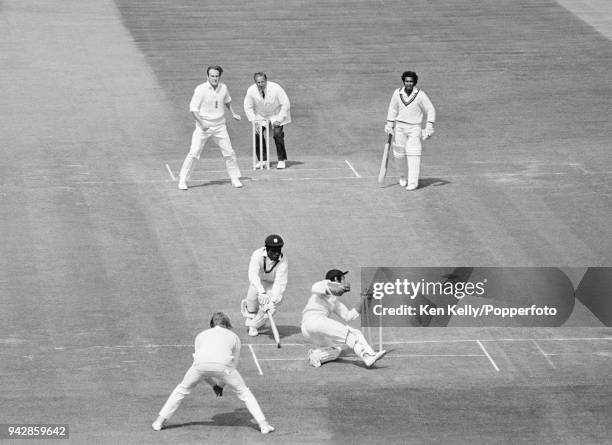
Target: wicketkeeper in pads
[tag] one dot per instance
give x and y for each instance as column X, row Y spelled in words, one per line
column 408, row 109
column 268, row 274
column 332, row 336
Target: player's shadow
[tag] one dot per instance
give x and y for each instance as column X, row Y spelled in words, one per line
column 289, row 164
column 283, row 331
column 423, row 183
column 223, row 182
column 238, row 417
column 432, row 182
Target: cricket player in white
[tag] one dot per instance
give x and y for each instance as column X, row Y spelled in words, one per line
column 408, row 109
column 217, row 352
column 268, row 275
column 207, row 107
column 332, row 336
column 267, row 101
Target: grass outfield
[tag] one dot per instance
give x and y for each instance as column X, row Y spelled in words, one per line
column 109, row 271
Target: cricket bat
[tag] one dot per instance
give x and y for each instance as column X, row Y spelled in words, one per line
column 274, row 330
column 385, row 160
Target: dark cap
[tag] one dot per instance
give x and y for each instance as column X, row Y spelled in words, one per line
column 274, row 241
column 334, row 273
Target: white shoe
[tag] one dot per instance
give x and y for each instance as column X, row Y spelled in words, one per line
column 402, row 181
column 236, row 183
column 280, row 165
column 411, row 187
column 265, row 427
column 369, row 359
column 313, row 360
column 158, row 424
column 182, row 185
column 259, row 165
column 253, row 332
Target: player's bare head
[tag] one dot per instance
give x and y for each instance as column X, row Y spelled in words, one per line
column 216, row 68
column 260, row 79
column 335, row 275
column 220, row 319
column 274, row 245
column 410, row 74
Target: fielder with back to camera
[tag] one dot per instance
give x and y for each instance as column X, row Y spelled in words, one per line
column 331, row 336
column 268, row 275
column 215, row 361
column 408, row 108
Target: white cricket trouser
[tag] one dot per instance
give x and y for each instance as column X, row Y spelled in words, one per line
column 324, row 331
column 213, row 374
column 407, row 150
column 219, row 135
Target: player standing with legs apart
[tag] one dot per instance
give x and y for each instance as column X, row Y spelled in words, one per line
column 217, row 352
column 408, row 109
column 331, row 336
column 268, row 274
column 267, row 101
column 207, row 107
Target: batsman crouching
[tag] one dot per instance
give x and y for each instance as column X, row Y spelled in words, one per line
column 331, row 336
column 268, row 274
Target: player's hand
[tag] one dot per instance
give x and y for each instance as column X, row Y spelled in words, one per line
column 237, row 116
column 428, row 131
column 269, row 308
column 389, row 129
column 218, row 390
column 338, row 289
column 276, row 124
column 263, row 299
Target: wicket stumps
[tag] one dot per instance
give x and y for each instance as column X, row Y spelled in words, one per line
column 268, row 126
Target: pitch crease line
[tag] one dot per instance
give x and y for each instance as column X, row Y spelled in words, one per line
column 487, row 354
column 550, row 362
column 351, row 167
column 255, row 360
column 170, row 171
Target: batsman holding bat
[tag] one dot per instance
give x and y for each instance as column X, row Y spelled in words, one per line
column 331, row 336
column 409, row 108
column 268, row 274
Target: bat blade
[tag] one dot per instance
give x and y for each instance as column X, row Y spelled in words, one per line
column 274, row 330
column 385, row 161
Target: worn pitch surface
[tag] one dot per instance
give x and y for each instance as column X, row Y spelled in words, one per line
column 109, row 271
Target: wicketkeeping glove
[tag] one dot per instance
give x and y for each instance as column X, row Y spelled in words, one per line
column 218, row 390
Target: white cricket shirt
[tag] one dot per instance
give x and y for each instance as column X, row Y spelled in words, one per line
column 209, row 103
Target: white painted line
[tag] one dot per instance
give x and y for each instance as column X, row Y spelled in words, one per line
column 435, row 355
column 274, row 344
column 170, row 171
column 282, row 359
column 487, row 354
column 351, row 167
column 255, row 359
column 544, row 354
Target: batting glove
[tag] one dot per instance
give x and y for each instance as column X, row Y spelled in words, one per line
column 263, row 299
column 389, row 129
column 269, row 308
column 428, row 131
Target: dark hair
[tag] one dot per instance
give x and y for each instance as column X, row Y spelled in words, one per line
column 412, row 74
column 220, row 319
column 214, row 67
column 260, row 73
